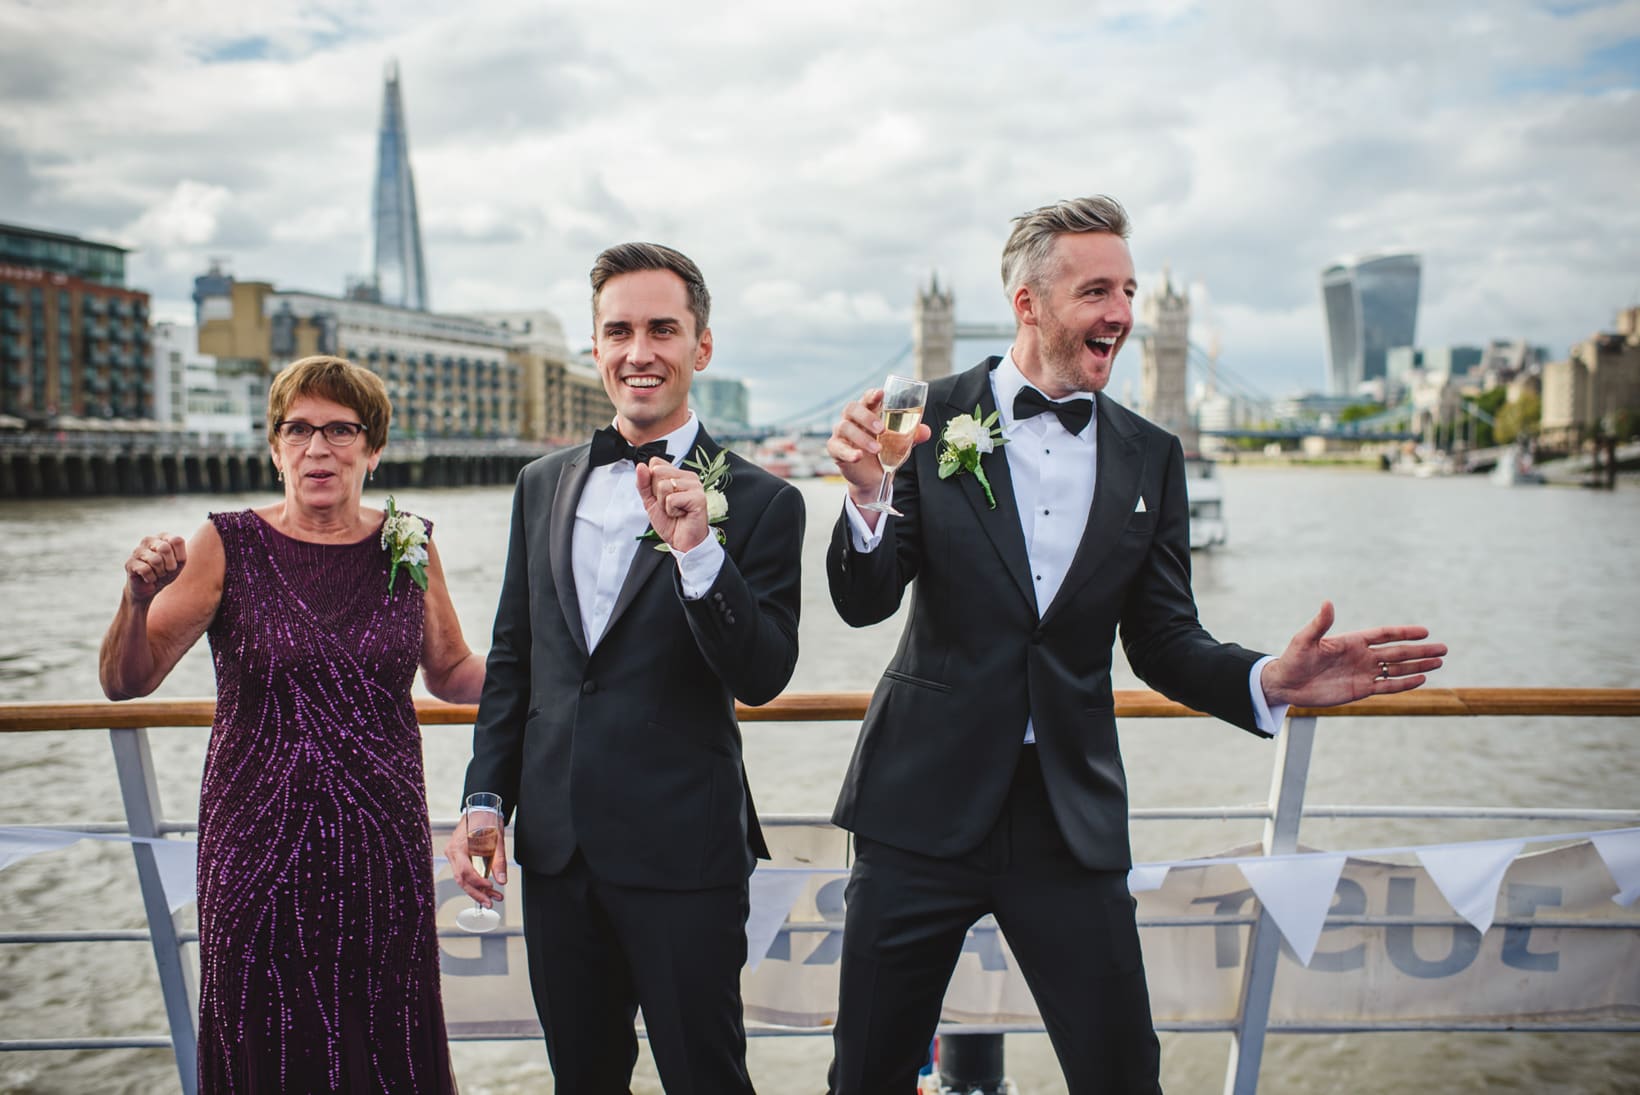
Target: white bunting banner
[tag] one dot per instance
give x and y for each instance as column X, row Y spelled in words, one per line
column 1297, row 891
column 1468, row 876
column 773, row 893
column 1620, row 849
column 178, row 863
column 19, row 844
column 1147, row 877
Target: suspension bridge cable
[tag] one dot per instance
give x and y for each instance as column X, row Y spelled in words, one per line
column 828, row 407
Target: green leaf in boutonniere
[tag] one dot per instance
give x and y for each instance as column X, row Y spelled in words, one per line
column 714, row 476
column 405, row 538
column 965, row 439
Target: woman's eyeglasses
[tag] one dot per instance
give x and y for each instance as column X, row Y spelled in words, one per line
column 336, row 433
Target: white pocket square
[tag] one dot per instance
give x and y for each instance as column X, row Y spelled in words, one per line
column 1140, row 508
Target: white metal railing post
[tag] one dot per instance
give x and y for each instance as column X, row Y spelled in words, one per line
column 1287, row 782
column 143, row 815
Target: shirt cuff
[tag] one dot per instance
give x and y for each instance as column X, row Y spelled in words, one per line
column 699, row 566
column 864, row 536
column 1266, row 718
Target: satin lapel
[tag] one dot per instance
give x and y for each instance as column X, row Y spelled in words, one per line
column 1115, row 492
column 561, row 544
column 648, row 560
column 1002, row 523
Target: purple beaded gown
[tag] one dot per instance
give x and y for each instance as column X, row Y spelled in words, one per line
column 318, row 957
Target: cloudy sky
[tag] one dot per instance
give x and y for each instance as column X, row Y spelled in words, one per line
column 819, row 160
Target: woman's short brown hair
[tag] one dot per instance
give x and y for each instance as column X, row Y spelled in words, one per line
column 340, row 381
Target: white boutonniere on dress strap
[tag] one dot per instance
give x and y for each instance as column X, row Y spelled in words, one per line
column 405, row 538
column 965, row 439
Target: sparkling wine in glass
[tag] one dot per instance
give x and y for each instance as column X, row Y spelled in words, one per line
column 482, row 817
column 902, row 410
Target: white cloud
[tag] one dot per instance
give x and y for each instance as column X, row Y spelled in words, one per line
column 819, row 161
column 187, row 217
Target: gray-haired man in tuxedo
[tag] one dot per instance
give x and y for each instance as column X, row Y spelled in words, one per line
column 999, row 696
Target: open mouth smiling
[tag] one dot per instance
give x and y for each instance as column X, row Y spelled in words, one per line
column 1102, row 346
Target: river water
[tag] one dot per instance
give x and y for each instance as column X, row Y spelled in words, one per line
column 1529, row 587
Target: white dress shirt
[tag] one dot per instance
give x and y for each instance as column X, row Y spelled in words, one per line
column 609, row 518
column 1054, row 473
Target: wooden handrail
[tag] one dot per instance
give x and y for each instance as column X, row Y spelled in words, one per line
column 851, row 706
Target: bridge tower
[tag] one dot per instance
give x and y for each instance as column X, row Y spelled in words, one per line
column 933, row 330
column 1164, row 364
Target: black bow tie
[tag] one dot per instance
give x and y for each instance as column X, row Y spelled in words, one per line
column 1073, row 414
column 609, row 446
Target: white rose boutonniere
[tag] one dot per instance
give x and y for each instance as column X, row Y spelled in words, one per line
column 714, row 476
column 405, row 538
column 966, row 438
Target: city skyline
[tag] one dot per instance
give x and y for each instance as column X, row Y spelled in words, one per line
column 822, row 172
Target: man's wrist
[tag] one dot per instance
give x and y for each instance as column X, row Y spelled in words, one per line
column 865, row 522
column 1269, row 683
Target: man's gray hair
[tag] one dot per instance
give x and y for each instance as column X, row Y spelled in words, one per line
column 1030, row 246
column 629, row 258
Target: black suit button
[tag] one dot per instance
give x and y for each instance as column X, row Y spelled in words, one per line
column 718, row 597
column 729, row 618
column 588, row 687
column 1036, row 638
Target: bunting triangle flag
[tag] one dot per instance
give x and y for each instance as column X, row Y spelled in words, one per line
column 1296, row 891
column 1621, row 851
column 1468, row 876
column 178, row 863
column 773, row 893
column 1145, row 877
column 18, row 843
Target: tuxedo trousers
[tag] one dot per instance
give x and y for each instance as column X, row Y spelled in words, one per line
column 598, row 952
column 1072, row 931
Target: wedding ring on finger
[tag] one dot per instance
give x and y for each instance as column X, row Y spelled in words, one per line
column 1383, row 671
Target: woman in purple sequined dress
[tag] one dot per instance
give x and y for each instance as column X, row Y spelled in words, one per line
column 318, row 957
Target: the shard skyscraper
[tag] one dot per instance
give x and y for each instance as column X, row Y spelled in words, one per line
column 400, row 273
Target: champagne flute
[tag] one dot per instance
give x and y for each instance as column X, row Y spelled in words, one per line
column 902, row 410
column 482, row 817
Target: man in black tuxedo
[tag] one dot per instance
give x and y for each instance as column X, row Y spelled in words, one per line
column 987, row 777
column 608, row 712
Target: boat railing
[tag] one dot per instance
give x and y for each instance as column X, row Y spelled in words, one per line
column 1282, row 814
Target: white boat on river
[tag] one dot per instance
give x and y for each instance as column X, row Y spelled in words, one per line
column 1207, row 524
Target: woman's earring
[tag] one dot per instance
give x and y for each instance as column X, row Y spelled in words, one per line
column 370, row 476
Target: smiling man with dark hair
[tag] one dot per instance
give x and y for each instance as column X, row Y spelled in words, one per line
column 642, row 598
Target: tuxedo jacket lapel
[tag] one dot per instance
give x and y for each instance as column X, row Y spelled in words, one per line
column 648, row 560
column 1001, row 524
column 561, row 546
column 1121, row 466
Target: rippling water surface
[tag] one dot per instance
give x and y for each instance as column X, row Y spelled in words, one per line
column 1528, row 587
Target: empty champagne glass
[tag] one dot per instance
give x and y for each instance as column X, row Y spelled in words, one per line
column 902, row 410
column 482, row 817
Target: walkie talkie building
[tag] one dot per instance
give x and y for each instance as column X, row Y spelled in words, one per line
column 1371, row 303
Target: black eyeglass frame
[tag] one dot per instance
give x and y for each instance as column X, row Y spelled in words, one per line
column 351, row 431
